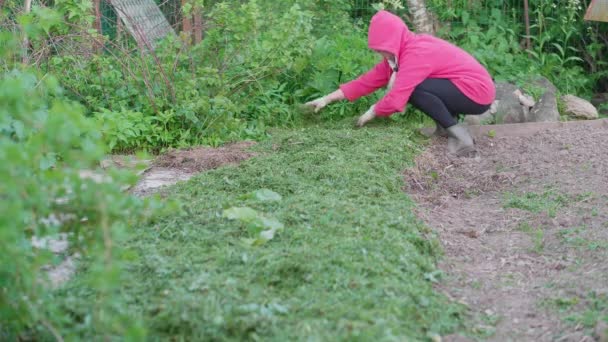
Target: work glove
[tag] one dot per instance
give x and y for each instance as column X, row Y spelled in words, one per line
column 317, row 104
column 368, row 116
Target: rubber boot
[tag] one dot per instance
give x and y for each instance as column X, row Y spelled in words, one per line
column 437, row 132
column 460, row 142
column 440, row 131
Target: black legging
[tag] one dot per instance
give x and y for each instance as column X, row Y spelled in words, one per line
column 441, row 100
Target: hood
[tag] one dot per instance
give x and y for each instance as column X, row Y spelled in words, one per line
column 387, row 32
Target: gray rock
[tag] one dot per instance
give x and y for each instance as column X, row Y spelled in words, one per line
column 483, row 119
column 158, row 177
column 56, row 244
column 579, row 108
column 508, row 107
column 546, row 107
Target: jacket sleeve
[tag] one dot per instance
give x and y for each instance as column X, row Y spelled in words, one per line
column 367, row 83
column 412, row 72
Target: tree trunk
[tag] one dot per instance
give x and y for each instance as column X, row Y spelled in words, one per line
column 421, row 17
column 97, row 23
column 26, row 42
column 198, row 25
column 527, row 19
column 187, row 23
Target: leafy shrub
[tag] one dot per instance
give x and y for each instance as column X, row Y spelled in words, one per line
column 562, row 44
column 229, row 87
column 45, row 144
column 337, row 59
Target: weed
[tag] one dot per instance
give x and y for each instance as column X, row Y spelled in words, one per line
column 571, row 237
column 586, row 196
column 537, row 235
column 539, row 240
column 525, row 227
column 564, row 303
column 548, row 202
column 583, row 311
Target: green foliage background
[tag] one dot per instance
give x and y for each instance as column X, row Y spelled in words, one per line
column 261, row 58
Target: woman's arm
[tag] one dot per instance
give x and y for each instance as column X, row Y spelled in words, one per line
column 321, row 102
column 337, row 95
column 367, row 83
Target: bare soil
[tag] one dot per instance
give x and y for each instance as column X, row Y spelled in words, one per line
column 205, row 158
column 181, row 165
column 524, row 226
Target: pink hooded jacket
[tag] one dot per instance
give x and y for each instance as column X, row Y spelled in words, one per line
column 419, row 56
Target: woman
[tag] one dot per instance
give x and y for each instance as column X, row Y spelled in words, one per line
column 435, row 76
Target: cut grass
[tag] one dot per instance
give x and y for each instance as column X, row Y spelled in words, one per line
column 352, row 263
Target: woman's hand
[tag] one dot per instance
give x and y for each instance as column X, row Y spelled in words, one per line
column 320, row 103
column 367, row 117
column 317, row 104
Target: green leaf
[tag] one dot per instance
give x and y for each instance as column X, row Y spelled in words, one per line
column 465, row 17
column 559, row 48
column 271, row 223
column 48, row 161
column 267, row 195
column 496, row 14
column 19, row 129
column 434, row 276
column 267, row 235
column 243, row 214
column 249, row 241
column 263, row 237
column 573, row 58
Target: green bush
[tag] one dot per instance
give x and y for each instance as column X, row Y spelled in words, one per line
column 337, row 59
column 45, row 144
column 229, row 87
column 563, row 46
column 260, row 58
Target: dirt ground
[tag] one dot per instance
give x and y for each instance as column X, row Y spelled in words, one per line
column 524, row 228
column 181, row 165
column 205, row 158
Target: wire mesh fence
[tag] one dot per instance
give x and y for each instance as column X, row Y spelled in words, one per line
column 112, row 27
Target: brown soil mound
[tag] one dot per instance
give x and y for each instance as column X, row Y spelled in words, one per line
column 205, row 158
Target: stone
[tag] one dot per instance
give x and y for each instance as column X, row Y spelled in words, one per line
column 545, row 108
column 483, row 119
column 524, row 100
column 57, row 244
column 158, row 177
column 508, row 107
column 579, row 108
column 60, row 274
